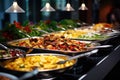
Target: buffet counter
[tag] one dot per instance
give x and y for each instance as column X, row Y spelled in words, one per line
column 94, row 67
column 104, row 66
column 91, row 67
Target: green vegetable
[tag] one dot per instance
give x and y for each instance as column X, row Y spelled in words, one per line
column 93, row 37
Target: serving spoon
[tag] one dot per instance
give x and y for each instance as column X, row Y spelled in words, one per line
column 78, row 56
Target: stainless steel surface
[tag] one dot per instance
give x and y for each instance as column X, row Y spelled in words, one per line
column 102, row 46
column 52, row 50
column 43, row 74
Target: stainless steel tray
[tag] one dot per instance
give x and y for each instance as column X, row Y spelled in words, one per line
column 94, row 44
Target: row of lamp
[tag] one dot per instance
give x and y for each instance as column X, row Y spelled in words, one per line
column 16, row 9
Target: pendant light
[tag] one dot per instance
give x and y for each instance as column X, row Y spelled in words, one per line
column 83, row 7
column 15, row 8
column 47, row 7
column 69, row 7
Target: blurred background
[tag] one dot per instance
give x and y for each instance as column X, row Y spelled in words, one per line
column 97, row 10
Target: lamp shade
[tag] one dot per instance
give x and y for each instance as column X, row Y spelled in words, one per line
column 15, row 8
column 83, row 7
column 68, row 7
column 47, row 7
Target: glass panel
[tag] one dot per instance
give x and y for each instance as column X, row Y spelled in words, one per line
column 60, row 4
column 45, row 15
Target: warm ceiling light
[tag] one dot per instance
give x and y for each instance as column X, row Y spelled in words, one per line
column 68, row 7
column 15, row 8
column 47, row 8
column 83, row 7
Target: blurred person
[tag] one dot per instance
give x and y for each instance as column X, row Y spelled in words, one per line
column 114, row 18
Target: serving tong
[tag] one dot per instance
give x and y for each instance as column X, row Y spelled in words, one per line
column 101, row 46
column 17, row 54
